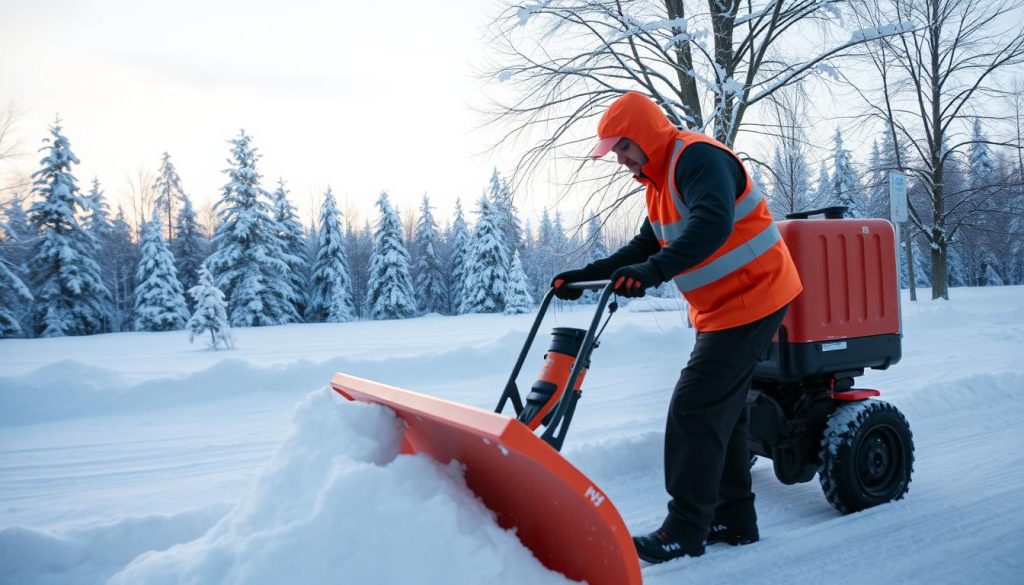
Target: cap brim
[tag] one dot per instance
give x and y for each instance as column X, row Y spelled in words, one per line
column 604, row 146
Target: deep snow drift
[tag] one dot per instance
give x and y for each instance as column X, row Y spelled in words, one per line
column 334, row 500
column 139, row 456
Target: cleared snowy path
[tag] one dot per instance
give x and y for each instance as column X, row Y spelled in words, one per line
column 148, row 443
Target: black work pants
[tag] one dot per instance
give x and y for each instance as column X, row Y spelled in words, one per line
column 707, row 461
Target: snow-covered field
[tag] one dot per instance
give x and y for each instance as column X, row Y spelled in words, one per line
column 137, row 458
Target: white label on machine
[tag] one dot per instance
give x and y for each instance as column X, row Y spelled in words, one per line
column 833, row 346
column 595, row 496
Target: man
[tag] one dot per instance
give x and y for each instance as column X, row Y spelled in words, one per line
column 708, row 229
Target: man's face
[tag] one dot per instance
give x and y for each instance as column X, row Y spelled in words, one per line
column 630, row 156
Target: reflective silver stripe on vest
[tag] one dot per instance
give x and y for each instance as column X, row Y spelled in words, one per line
column 729, row 262
column 670, row 231
column 748, row 204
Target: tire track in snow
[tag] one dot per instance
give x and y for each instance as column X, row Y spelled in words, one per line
column 965, row 496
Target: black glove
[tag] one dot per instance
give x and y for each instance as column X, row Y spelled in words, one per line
column 570, row 276
column 634, row 280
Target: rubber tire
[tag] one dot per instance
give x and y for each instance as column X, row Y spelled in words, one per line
column 866, row 456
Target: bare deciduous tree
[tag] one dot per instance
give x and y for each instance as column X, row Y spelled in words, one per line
column 789, row 169
column 934, row 79
column 141, row 194
column 208, row 217
column 13, row 182
column 706, row 63
column 1016, row 99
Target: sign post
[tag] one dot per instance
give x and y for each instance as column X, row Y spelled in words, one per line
column 897, row 196
column 898, row 213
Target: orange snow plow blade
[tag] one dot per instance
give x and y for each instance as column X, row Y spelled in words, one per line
column 559, row 514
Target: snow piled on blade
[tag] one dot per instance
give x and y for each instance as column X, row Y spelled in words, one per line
column 337, row 503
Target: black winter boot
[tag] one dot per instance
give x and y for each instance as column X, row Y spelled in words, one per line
column 733, row 536
column 660, row 546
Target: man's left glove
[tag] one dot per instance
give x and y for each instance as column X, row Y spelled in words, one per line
column 634, row 280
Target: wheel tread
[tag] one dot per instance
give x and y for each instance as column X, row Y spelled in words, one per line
column 842, row 427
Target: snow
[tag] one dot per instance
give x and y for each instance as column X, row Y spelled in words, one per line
column 333, row 498
column 828, row 70
column 893, row 28
column 138, row 455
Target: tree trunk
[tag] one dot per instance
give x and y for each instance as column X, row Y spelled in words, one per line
column 937, row 237
column 687, row 81
column 940, row 270
column 723, row 18
column 911, row 277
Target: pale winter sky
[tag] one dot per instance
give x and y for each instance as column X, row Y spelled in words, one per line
column 363, row 97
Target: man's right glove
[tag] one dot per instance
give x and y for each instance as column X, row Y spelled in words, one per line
column 570, row 276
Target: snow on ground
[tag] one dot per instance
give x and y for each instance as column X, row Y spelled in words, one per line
column 140, row 456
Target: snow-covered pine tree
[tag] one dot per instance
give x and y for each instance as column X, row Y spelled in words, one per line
column 877, row 183
column 561, row 247
column 891, row 157
column 159, row 301
column 956, row 271
column 248, row 265
column 96, row 216
column 70, row 297
column 14, row 297
column 517, row 292
column 121, row 258
column 168, row 191
column 358, row 249
column 96, row 221
column 540, row 267
column 921, row 272
column 290, row 232
column 17, row 228
column 791, row 183
column 1015, row 236
column 310, row 242
column 981, row 166
column 389, row 294
column 459, row 241
column 528, row 241
column 507, row 214
column 210, row 314
column 483, row 290
column 822, row 191
column 982, row 177
column 428, row 275
column 330, row 297
column 16, row 240
column 189, row 246
column 990, row 271
column 845, row 184
column 595, row 249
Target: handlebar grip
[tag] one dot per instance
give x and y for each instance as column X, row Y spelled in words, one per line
column 588, row 284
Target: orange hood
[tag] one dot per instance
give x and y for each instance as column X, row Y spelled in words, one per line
column 636, row 117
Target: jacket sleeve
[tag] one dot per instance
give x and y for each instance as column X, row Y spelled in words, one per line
column 709, row 181
column 638, row 250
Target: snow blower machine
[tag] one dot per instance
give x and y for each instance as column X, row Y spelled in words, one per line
column 803, row 410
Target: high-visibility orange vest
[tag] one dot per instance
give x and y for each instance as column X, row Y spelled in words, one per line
column 747, row 278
